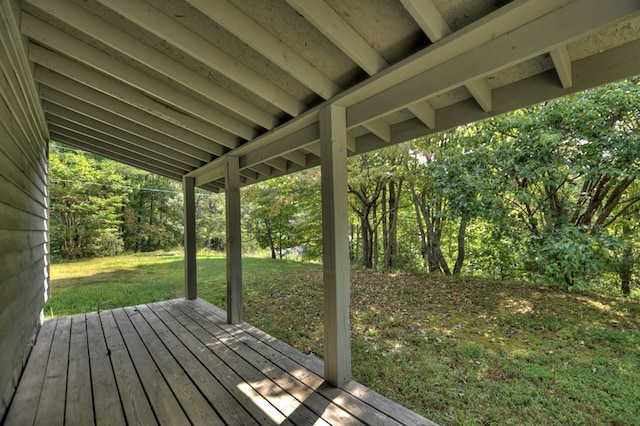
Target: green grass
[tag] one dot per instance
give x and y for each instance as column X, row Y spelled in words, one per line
column 459, row 351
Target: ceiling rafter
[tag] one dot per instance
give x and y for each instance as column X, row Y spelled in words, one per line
column 153, row 151
column 98, row 99
column 59, row 129
column 427, row 15
column 136, row 50
column 97, row 60
column 336, row 29
column 513, row 47
column 57, row 114
column 118, row 122
column 562, row 63
column 246, row 29
column 73, row 70
column 166, row 28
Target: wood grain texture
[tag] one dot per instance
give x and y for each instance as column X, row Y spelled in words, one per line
column 180, row 362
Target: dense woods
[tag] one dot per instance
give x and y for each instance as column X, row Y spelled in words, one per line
column 548, row 193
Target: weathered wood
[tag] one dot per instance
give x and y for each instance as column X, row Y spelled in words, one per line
column 234, row 241
column 165, row 406
column 187, row 394
column 188, row 351
column 260, row 407
column 335, row 245
column 106, row 401
column 180, row 361
column 282, row 370
column 28, row 393
column 190, row 266
column 136, row 406
column 52, row 399
column 79, row 398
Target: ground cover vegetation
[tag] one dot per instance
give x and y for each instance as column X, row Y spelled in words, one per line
column 459, row 350
column 546, row 194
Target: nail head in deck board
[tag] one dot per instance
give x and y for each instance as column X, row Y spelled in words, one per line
column 136, row 406
column 186, row 393
column 162, row 400
column 227, row 407
column 79, row 401
column 22, row 410
column 51, row 405
column 106, row 401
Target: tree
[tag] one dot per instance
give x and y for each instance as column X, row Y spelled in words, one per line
column 567, row 168
column 87, row 197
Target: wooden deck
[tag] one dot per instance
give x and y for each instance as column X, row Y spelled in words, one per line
column 178, row 362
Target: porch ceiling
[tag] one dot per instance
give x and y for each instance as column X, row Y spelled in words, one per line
column 174, row 86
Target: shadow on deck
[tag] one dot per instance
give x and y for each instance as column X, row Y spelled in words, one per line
column 179, row 362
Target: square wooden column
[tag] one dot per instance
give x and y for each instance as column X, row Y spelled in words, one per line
column 335, row 245
column 190, row 282
column 234, row 241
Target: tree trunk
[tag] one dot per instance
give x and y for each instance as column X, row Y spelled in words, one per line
column 272, row 244
column 626, row 264
column 461, row 246
column 421, row 230
column 391, row 248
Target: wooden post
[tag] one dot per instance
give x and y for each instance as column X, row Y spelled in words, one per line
column 234, row 241
column 335, row 243
column 190, row 282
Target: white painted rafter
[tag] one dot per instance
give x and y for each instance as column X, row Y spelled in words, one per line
column 161, row 25
column 136, row 50
column 427, row 15
column 70, row 88
column 97, row 60
column 249, row 31
column 562, row 62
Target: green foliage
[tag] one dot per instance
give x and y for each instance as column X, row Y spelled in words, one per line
column 85, row 202
column 284, row 213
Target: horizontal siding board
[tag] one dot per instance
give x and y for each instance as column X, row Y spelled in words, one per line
column 23, row 204
column 17, row 219
column 15, row 168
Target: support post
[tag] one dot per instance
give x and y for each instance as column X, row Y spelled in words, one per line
column 335, row 243
column 234, row 241
column 190, row 282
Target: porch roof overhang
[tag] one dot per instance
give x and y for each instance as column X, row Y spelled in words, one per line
column 175, row 86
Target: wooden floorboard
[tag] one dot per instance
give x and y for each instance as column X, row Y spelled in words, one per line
column 179, row 362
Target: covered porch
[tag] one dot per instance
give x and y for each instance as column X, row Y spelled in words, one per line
column 180, row 362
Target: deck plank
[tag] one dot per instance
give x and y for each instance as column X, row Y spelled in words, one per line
column 106, row 400
column 278, row 396
column 260, row 408
column 306, row 388
column 228, row 408
column 162, row 399
column 179, row 362
column 195, row 406
column 23, row 407
column 52, row 399
column 365, row 403
column 79, row 399
column 135, row 404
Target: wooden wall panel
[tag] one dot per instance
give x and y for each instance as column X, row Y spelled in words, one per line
column 23, row 206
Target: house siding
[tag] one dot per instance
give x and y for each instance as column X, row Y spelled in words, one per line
column 24, row 260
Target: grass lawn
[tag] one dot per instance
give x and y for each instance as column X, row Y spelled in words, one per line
column 458, row 351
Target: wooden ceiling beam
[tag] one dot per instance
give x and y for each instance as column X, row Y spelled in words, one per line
column 250, row 32
column 154, row 21
column 118, row 40
column 95, row 59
